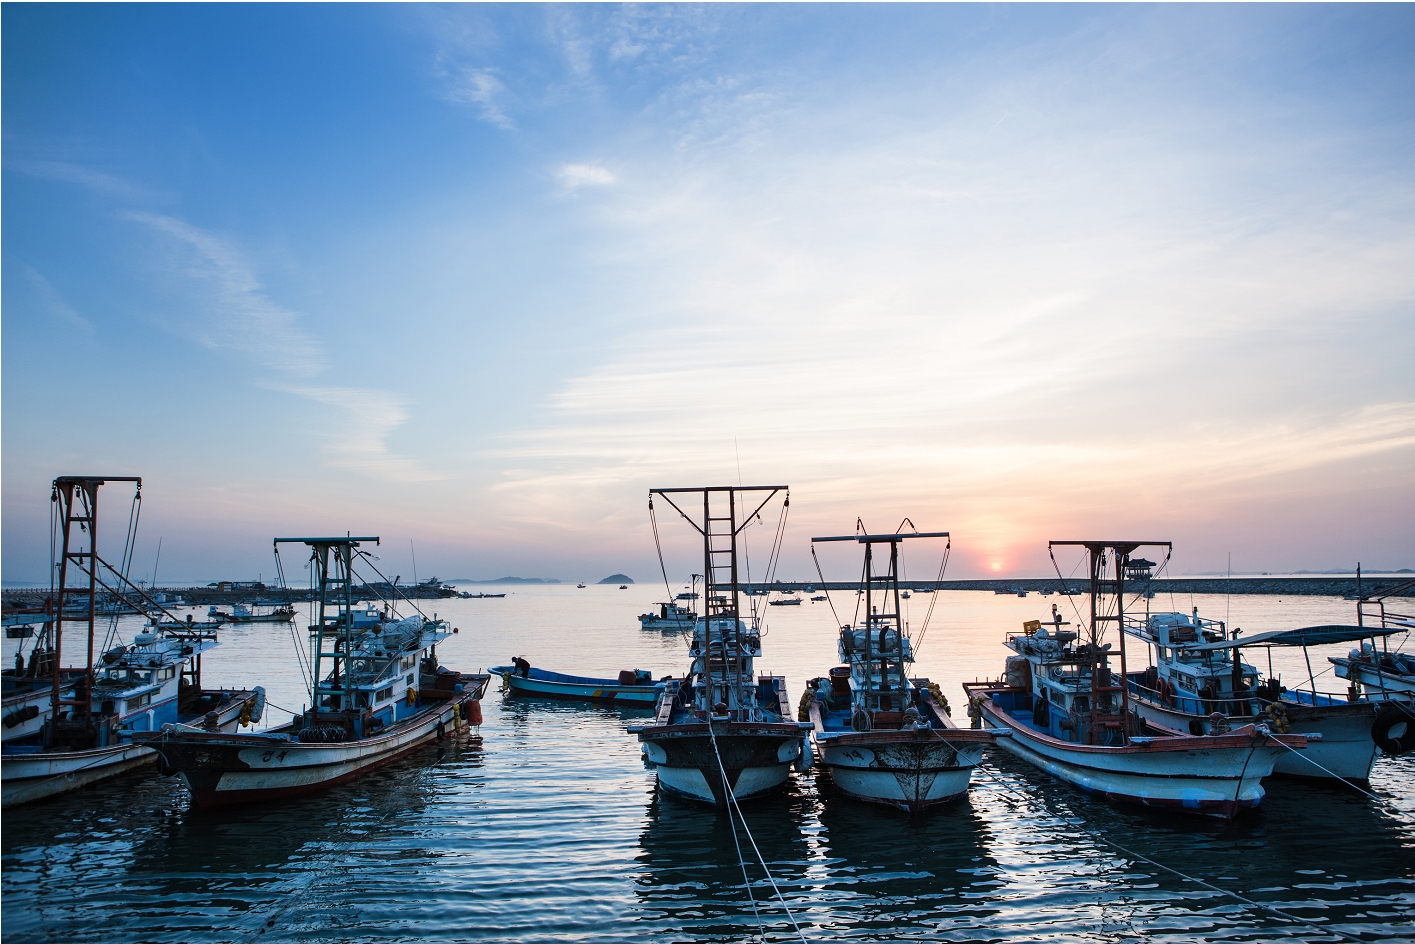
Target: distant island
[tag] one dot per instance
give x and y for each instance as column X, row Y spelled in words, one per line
column 510, row 580
column 617, row 578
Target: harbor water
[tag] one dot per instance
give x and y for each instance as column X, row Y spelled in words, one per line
column 552, row 830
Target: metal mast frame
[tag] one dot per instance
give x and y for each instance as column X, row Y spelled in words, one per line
column 77, row 499
column 721, row 586
column 1120, row 552
column 334, row 559
column 891, row 617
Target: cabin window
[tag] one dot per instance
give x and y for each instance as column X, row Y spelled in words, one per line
column 141, row 676
column 139, row 701
column 169, row 672
column 1056, row 697
column 384, row 694
column 408, row 663
column 408, row 681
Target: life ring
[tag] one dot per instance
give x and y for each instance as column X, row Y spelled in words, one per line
column 1166, row 691
column 1196, row 727
column 1391, row 731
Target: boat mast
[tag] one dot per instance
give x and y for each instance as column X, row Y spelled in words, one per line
column 76, row 498
column 1119, row 553
column 334, row 558
column 721, row 585
column 890, row 618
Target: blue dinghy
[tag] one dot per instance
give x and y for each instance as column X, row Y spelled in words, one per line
column 632, row 687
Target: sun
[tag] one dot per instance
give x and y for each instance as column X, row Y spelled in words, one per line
column 996, row 566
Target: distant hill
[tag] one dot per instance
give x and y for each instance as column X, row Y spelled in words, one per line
column 617, row 578
column 510, row 580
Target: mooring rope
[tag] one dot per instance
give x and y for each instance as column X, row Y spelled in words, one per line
column 731, row 805
column 1188, row 878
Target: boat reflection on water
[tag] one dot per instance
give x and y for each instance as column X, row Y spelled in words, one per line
column 690, row 878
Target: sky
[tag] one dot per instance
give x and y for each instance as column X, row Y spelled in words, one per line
column 475, row 278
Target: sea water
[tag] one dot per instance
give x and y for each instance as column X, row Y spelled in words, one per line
column 552, row 829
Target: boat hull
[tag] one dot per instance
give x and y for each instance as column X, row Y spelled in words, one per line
column 908, row 770
column 1346, row 748
column 1378, row 684
column 222, row 770
column 745, row 760
column 602, row 691
column 1216, row 776
column 35, row 776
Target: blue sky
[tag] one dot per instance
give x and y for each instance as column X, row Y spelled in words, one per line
column 477, row 277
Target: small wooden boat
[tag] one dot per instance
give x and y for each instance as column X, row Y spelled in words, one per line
column 1070, row 715
column 632, row 687
column 723, row 734
column 887, row 738
column 382, row 695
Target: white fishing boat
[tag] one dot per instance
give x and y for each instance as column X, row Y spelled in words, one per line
column 1198, row 683
column 81, row 730
column 670, row 617
column 379, row 694
column 1069, row 714
column 723, row 733
column 1373, row 669
column 887, row 738
column 240, row 613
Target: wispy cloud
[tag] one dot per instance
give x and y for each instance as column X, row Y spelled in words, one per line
column 84, row 176
column 54, row 303
column 482, row 88
column 574, row 176
column 241, row 319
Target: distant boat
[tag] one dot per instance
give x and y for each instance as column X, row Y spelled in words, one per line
column 632, row 687
column 670, row 616
column 483, row 596
column 580, row 586
column 789, row 601
column 819, row 598
column 623, row 586
column 240, row 613
column 905, row 594
column 1003, row 592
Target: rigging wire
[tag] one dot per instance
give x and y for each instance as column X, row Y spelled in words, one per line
column 823, row 586
column 731, row 805
column 653, row 520
column 933, row 598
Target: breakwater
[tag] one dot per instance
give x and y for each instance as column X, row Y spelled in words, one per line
column 1328, row 586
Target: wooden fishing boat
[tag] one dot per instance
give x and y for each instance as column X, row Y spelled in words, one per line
column 1199, row 684
column 631, row 687
column 85, row 731
column 1069, row 714
column 884, row 737
column 380, row 693
column 722, row 734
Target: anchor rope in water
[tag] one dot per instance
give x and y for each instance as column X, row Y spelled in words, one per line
column 1188, row 878
column 1329, row 773
column 732, row 804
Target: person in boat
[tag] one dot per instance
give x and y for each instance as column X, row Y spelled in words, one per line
column 523, row 668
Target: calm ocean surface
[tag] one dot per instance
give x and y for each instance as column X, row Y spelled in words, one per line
column 552, row 830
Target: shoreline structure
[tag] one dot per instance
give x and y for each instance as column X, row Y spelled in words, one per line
column 1322, row 586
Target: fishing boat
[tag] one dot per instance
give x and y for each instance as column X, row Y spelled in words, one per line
column 240, row 613
column 1199, row 683
column 670, row 616
column 722, row 733
column 788, row 601
column 1373, row 670
column 631, row 687
column 820, row 598
column 1069, row 714
column 887, row 738
column 379, row 693
column 83, row 731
